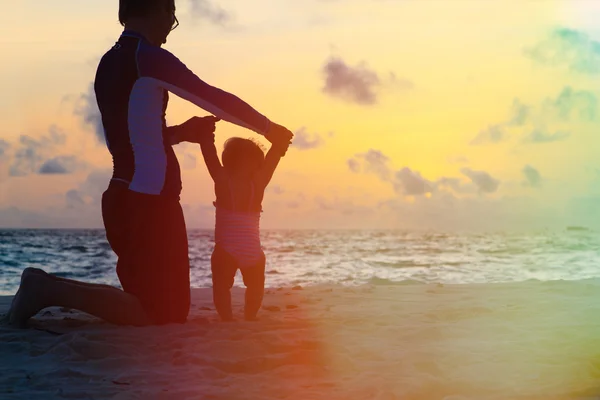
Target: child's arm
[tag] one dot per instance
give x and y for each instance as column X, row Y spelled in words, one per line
column 209, row 153
column 272, row 158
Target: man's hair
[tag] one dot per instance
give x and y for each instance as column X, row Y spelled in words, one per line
column 141, row 8
column 240, row 153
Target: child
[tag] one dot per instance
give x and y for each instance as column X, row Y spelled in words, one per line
column 240, row 184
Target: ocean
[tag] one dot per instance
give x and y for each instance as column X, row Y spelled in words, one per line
column 304, row 257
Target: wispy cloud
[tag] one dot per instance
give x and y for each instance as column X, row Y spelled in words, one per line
column 411, row 183
column 570, row 48
column 61, row 165
column 483, row 180
column 539, row 137
column 492, row 134
column 4, row 148
column 373, row 161
column 89, row 192
column 86, row 107
column 358, row 84
column 305, row 141
column 570, row 105
column 533, row 178
column 519, row 113
column 208, row 10
column 407, row 182
column 275, row 189
column 459, row 159
column 31, row 154
column 186, row 156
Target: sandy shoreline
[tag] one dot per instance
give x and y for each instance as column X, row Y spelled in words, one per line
column 530, row 340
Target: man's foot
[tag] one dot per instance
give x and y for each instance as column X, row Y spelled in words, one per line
column 30, row 298
column 29, row 270
column 251, row 318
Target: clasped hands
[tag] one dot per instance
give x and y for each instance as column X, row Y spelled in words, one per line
column 202, row 129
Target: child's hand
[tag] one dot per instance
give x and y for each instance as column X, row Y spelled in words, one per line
column 200, row 129
column 282, row 147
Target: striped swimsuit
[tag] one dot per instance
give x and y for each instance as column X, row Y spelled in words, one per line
column 238, row 232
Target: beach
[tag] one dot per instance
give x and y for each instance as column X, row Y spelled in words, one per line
column 518, row 340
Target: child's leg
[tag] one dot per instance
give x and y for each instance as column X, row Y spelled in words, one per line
column 254, row 279
column 223, row 274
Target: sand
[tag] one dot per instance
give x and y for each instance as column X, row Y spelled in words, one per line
column 530, row 340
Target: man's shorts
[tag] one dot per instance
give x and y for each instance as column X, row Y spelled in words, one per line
column 149, row 236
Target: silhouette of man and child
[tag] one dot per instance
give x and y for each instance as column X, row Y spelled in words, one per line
column 141, row 208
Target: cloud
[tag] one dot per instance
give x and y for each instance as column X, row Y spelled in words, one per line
column 75, row 199
column 447, row 212
column 569, row 48
column 408, row 182
column 532, row 176
column 86, row 107
column 354, row 165
column 275, row 189
column 374, row 161
column 570, row 103
column 4, row 148
column 411, row 183
column 302, row 140
column 458, row 159
column 346, row 207
column 355, row 84
column 89, row 192
column 206, row 10
column 400, row 83
column 60, row 165
column 30, row 153
column 519, row 113
column 186, row 156
column 493, row 134
column 539, row 137
column 457, row 185
column 483, row 180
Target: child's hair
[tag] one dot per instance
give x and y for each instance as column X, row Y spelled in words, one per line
column 242, row 154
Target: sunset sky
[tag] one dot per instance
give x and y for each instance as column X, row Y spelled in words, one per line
column 434, row 114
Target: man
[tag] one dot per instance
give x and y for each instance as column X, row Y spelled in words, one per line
column 141, row 210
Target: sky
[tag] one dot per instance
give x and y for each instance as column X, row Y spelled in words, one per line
column 408, row 114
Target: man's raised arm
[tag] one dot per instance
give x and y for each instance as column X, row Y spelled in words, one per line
column 160, row 67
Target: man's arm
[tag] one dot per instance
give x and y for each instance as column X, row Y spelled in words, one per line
column 193, row 130
column 159, row 66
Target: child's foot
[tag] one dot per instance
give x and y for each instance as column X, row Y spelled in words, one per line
column 226, row 317
column 251, row 318
column 29, row 299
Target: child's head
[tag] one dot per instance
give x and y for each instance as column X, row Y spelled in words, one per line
column 242, row 156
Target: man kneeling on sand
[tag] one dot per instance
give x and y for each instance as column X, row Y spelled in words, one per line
column 141, row 211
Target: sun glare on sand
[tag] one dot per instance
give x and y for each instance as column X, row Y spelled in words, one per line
column 528, row 340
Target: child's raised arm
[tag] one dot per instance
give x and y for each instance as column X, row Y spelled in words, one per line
column 272, row 158
column 209, row 153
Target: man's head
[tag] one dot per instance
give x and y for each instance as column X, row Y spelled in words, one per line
column 154, row 19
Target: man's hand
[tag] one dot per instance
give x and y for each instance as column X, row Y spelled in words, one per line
column 199, row 129
column 278, row 134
